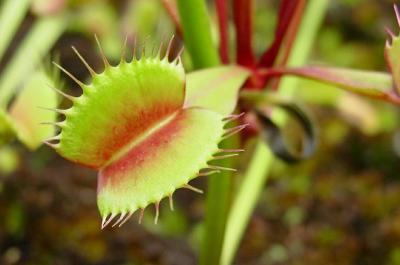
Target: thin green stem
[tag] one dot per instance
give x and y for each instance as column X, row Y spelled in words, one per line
column 11, row 15
column 36, row 44
column 197, row 36
column 197, row 33
column 257, row 172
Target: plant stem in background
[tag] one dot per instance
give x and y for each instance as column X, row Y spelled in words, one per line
column 197, row 37
column 36, row 44
column 243, row 18
column 257, row 172
column 197, row 33
column 11, row 15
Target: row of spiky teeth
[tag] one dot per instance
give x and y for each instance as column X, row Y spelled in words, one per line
column 209, row 170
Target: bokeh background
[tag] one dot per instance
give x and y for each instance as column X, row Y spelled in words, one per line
column 341, row 207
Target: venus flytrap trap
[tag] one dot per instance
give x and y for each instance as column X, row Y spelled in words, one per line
column 145, row 132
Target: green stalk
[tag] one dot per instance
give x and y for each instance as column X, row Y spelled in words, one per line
column 11, row 15
column 36, row 44
column 198, row 41
column 197, row 33
column 257, row 171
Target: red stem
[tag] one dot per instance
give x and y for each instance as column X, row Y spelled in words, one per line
column 242, row 15
column 286, row 15
column 290, row 37
column 222, row 12
column 390, row 97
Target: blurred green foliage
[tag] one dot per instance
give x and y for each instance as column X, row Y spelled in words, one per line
column 339, row 207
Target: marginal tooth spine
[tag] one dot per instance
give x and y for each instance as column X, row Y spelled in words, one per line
column 126, row 219
column 141, row 215
column 158, row 56
column 177, row 60
column 58, row 124
column 224, row 156
column 54, row 138
column 222, row 168
column 230, row 150
column 232, row 117
column 54, row 146
column 166, row 57
column 119, row 219
column 109, row 220
column 103, row 57
column 190, row 187
column 76, row 80
column 229, row 132
column 134, row 48
column 123, row 50
column 389, row 32
column 171, row 202
column 157, row 206
column 103, row 221
column 208, row 173
column 90, row 69
column 60, row 111
column 73, row 99
column 396, row 10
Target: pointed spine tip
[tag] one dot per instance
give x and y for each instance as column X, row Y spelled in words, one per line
column 224, row 156
column 178, row 59
column 157, row 207
column 134, row 57
column 158, row 55
column 85, row 63
column 389, row 32
column 207, row 173
column 54, row 138
column 232, row 117
column 108, row 221
column 171, row 202
column 222, row 168
column 102, row 54
column 397, row 12
column 51, row 145
column 123, row 50
column 141, row 215
column 59, row 111
column 76, row 80
column 231, row 131
column 58, row 124
column 71, row 98
column 121, row 217
column 190, row 187
column 230, row 150
column 103, row 221
column 126, row 219
column 169, row 48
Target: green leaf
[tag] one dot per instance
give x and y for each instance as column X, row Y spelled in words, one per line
column 378, row 85
column 25, row 112
column 11, row 15
column 215, row 88
column 39, row 40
